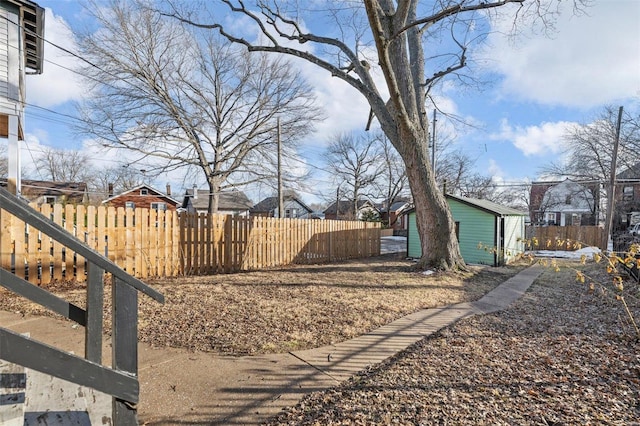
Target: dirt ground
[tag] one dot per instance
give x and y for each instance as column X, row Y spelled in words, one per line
column 286, row 309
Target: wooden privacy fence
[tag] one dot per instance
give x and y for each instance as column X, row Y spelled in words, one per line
column 150, row 243
column 585, row 235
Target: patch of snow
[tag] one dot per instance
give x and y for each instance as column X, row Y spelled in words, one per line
column 577, row 254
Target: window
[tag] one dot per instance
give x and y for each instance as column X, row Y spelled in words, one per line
column 159, row 206
column 50, row 199
column 144, row 191
column 550, row 218
column 567, row 199
column 627, row 193
column 129, row 205
column 291, row 213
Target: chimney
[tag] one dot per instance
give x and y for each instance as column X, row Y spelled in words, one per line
column 110, row 190
column 168, row 190
column 195, row 192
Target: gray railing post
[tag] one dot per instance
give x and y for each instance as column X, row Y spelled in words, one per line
column 95, row 301
column 125, row 344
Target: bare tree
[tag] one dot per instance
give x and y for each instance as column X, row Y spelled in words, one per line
column 122, row 178
column 589, row 147
column 4, row 162
column 397, row 36
column 63, row 165
column 190, row 99
column 456, row 174
column 354, row 161
column 391, row 183
column 589, row 151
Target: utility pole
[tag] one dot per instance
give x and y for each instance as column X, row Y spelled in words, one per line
column 433, row 143
column 337, row 201
column 280, row 195
column 611, row 190
column 14, row 184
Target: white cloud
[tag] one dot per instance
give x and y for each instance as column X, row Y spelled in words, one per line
column 57, row 84
column 495, row 171
column 592, row 60
column 345, row 108
column 546, row 138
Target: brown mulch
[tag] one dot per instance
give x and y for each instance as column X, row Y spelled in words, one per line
column 564, row 354
column 290, row 308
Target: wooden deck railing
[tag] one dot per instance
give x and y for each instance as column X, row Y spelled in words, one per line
column 120, row 381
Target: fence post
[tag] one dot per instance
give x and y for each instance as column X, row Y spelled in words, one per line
column 228, row 243
column 124, row 301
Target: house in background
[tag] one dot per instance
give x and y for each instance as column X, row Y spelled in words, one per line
column 142, row 196
column 394, row 217
column 234, row 203
column 46, row 192
column 294, row 208
column 627, row 197
column 480, row 224
column 564, row 203
column 344, row 210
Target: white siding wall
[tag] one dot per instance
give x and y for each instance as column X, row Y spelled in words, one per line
column 4, row 55
column 11, row 63
column 513, row 237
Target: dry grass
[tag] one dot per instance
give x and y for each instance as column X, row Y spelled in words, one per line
column 563, row 354
column 291, row 308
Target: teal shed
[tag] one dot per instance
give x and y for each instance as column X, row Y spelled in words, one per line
column 488, row 233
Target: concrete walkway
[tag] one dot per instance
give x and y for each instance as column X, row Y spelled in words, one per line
column 181, row 387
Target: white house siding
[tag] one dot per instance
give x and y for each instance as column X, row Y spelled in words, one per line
column 513, row 237
column 580, row 202
column 294, row 209
column 11, row 65
column 4, row 54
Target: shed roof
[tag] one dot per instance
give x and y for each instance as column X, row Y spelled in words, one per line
column 488, row 206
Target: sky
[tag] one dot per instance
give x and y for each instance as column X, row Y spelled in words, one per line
column 539, row 86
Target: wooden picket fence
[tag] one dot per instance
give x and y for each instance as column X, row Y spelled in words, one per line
column 149, row 243
column 556, row 237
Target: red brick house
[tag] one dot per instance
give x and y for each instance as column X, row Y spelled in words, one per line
column 143, row 196
column 627, row 196
column 394, row 216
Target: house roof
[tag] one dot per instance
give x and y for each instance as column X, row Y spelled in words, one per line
column 346, row 206
column 632, row 172
column 228, row 200
column 398, row 205
column 488, row 206
column 73, row 191
column 138, row 188
column 271, row 203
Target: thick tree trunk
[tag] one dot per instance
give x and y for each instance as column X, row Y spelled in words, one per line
column 435, row 225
